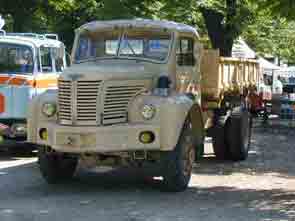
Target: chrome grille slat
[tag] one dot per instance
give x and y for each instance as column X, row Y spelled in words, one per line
column 81, row 105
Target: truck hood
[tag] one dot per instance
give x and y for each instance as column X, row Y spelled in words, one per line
column 107, row 71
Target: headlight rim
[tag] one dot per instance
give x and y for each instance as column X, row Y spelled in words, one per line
column 53, row 112
column 152, row 108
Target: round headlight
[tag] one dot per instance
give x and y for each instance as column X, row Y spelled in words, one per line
column 148, row 111
column 49, row 109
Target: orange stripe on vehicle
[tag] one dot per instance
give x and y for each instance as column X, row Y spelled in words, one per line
column 36, row 83
column 13, row 80
column 46, row 83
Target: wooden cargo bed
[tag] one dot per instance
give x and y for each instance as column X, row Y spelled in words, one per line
column 222, row 75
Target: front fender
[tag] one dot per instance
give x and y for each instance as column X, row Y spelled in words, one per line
column 35, row 116
column 171, row 113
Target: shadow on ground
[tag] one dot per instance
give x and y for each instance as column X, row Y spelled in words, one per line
column 270, row 153
column 120, row 195
column 124, row 195
column 15, row 155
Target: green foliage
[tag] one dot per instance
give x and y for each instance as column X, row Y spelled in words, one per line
column 21, row 14
column 270, row 35
column 64, row 16
column 282, row 8
column 265, row 24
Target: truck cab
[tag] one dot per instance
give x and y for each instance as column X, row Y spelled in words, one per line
column 131, row 96
column 29, row 65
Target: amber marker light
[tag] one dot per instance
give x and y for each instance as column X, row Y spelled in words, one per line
column 146, row 137
column 43, row 134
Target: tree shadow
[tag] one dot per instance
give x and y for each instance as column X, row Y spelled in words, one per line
column 121, row 195
column 269, row 154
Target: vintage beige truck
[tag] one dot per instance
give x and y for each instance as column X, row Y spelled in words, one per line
column 133, row 96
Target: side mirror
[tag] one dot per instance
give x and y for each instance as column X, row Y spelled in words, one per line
column 68, row 59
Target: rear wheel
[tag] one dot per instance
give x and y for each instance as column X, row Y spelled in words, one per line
column 56, row 168
column 220, row 147
column 238, row 134
column 200, row 151
column 179, row 162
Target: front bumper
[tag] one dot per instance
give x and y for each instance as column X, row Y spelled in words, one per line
column 100, row 139
column 12, row 130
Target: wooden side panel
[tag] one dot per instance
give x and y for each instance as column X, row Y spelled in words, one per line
column 210, row 69
column 220, row 74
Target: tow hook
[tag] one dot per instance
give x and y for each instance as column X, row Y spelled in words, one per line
column 140, row 155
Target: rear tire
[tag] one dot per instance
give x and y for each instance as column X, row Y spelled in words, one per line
column 220, row 146
column 56, row 168
column 178, row 164
column 200, row 151
column 238, row 134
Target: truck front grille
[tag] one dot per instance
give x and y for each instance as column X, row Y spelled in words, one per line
column 77, row 102
column 64, row 101
column 116, row 100
column 96, row 102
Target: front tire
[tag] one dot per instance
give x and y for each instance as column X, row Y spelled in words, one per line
column 179, row 162
column 56, row 168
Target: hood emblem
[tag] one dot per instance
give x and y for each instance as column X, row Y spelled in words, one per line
column 75, row 77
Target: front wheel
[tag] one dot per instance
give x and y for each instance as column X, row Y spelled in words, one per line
column 56, row 168
column 179, row 162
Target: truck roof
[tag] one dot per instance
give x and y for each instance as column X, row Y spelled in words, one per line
column 137, row 23
column 30, row 41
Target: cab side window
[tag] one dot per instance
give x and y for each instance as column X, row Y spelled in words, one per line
column 185, row 52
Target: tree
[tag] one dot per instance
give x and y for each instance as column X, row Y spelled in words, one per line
column 21, row 14
column 225, row 20
column 65, row 16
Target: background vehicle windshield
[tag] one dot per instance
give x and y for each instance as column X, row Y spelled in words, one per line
column 133, row 44
column 15, row 59
column 51, row 59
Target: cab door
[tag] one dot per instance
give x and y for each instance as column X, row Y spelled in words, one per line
column 185, row 64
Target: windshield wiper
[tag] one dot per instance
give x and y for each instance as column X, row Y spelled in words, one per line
column 128, row 44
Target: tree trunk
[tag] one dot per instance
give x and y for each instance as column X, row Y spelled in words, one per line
column 222, row 35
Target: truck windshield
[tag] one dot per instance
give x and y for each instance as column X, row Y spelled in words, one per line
column 15, row 59
column 152, row 45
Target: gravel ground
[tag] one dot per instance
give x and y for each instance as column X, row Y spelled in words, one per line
column 261, row 188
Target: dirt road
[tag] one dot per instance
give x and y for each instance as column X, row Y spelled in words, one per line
column 261, row 188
